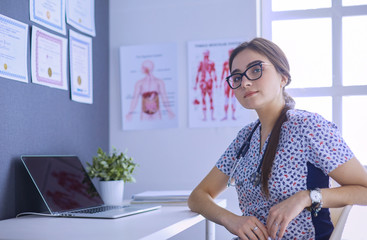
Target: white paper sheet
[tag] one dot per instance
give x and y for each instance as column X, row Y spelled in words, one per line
column 80, row 14
column 13, row 49
column 48, row 13
column 149, row 86
column 48, row 56
column 81, row 68
column 211, row 102
column 163, row 195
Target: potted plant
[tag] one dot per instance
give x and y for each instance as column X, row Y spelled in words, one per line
column 112, row 171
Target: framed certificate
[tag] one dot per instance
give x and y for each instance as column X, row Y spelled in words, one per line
column 81, row 68
column 48, row 13
column 13, row 49
column 48, row 57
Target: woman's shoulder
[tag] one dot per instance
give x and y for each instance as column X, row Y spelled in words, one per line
column 303, row 118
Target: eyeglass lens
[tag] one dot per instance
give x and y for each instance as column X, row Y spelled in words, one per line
column 252, row 73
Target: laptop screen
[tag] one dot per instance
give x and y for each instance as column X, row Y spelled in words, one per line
column 62, row 182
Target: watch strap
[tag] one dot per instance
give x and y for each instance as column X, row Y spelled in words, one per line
column 315, row 207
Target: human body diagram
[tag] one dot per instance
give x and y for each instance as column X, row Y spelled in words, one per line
column 151, row 90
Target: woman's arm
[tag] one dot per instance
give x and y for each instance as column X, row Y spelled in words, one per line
column 202, row 197
column 201, row 201
column 352, row 177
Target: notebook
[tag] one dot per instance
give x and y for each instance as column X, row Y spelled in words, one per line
column 67, row 190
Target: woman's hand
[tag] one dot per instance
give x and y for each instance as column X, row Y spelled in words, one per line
column 281, row 214
column 247, row 228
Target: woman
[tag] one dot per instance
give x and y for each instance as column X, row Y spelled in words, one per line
column 282, row 174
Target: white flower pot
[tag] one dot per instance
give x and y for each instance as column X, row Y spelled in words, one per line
column 112, row 192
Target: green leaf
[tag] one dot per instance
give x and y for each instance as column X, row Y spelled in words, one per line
column 116, row 166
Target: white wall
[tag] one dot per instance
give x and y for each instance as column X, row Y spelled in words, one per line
column 174, row 158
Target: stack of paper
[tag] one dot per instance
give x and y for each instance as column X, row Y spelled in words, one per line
column 162, row 197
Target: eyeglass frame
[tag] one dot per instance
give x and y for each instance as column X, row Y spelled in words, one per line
column 244, row 74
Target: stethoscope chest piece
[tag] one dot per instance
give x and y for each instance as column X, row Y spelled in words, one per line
column 255, row 178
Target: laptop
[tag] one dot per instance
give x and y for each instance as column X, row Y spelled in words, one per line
column 67, row 190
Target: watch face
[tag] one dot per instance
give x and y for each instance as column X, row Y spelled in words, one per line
column 315, row 196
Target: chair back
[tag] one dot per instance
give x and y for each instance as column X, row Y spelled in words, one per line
column 339, row 217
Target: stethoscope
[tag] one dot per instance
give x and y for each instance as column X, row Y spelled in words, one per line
column 256, row 176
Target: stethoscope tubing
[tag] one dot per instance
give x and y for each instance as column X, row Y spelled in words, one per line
column 242, row 152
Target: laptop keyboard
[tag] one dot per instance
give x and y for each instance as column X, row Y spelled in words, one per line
column 97, row 209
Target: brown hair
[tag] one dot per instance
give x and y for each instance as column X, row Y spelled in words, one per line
column 277, row 57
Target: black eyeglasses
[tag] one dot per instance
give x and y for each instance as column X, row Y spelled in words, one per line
column 252, row 73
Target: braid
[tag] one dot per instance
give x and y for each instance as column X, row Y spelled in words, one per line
column 271, row 150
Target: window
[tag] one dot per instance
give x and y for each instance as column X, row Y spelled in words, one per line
column 325, row 42
column 354, row 50
column 322, row 105
column 286, row 5
column 354, row 124
column 312, row 36
column 354, row 2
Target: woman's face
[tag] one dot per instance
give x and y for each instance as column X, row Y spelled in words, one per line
column 265, row 92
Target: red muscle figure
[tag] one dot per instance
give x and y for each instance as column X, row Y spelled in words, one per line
column 228, row 92
column 205, row 77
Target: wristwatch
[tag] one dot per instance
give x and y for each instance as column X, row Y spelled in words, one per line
column 316, row 201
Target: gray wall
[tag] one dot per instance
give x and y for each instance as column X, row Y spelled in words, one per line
column 174, row 158
column 35, row 119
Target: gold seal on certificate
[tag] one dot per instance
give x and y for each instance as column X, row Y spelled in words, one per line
column 5, row 66
column 81, row 67
column 49, row 13
column 48, row 59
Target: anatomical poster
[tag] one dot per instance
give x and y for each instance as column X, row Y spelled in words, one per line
column 211, row 102
column 148, row 86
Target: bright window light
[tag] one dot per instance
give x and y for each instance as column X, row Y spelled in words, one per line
column 354, row 50
column 307, row 44
column 354, row 2
column 287, row 5
column 320, row 105
column 354, row 125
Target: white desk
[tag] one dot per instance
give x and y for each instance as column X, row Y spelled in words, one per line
column 159, row 224
column 355, row 227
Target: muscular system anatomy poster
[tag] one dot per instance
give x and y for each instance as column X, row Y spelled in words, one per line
column 211, row 101
column 148, row 86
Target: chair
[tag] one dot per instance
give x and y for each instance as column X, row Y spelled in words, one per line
column 339, row 217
